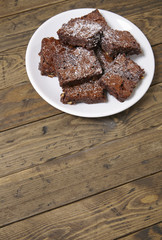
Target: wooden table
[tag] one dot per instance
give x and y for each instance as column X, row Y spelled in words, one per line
column 66, row 177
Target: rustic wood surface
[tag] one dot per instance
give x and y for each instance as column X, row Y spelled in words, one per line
column 69, row 178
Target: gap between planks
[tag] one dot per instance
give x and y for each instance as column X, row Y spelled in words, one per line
column 33, row 8
column 23, row 32
column 51, row 116
column 84, row 198
column 139, row 230
column 111, row 209
column 89, row 148
column 34, row 121
column 80, row 174
column 50, row 4
column 105, row 125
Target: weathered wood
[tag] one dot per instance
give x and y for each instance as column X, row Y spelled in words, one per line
column 12, row 67
column 73, row 177
column 17, row 29
column 64, row 134
column 10, row 7
column 13, row 72
column 152, row 233
column 21, row 104
column 107, row 171
column 108, row 215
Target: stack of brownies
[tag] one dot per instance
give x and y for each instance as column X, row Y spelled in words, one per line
column 91, row 59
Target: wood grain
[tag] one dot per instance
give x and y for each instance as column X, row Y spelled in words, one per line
column 63, row 177
column 17, row 29
column 21, row 105
column 10, row 7
column 65, row 134
column 108, row 215
column 12, row 69
column 73, row 177
column 151, row 233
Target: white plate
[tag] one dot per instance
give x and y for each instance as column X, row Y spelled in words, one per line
column 49, row 89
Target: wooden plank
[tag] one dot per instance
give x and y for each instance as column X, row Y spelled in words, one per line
column 20, row 27
column 73, row 177
column 21, row 104
column 65, row 134
column 12, row 61
column 12, row 70
column 108, row 215
column 10, row 7
column 152, row 233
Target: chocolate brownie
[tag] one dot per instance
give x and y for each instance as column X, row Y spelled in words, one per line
column 89, row 92
column 114, row 42
column 96, row 16
column 75, row 65
column 122, row 77
column 103, row 58
column 80, row 32
column 46, row 65
column 119, row 87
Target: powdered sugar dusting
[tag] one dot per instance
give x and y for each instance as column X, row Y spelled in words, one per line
column 123, row 41
column 79, row 63
column 82, row 28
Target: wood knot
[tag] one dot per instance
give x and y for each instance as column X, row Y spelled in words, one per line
column 44, row 129
column 149, row 198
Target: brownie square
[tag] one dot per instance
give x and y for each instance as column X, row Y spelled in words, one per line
column 89, row 92
column 114, row 42
column 46, row 65
column 75, row 65
column 118, row 86
column 80, row 32
column 96, row 16
column 122, row 77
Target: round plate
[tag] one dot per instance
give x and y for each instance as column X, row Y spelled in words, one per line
column 49, row 89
